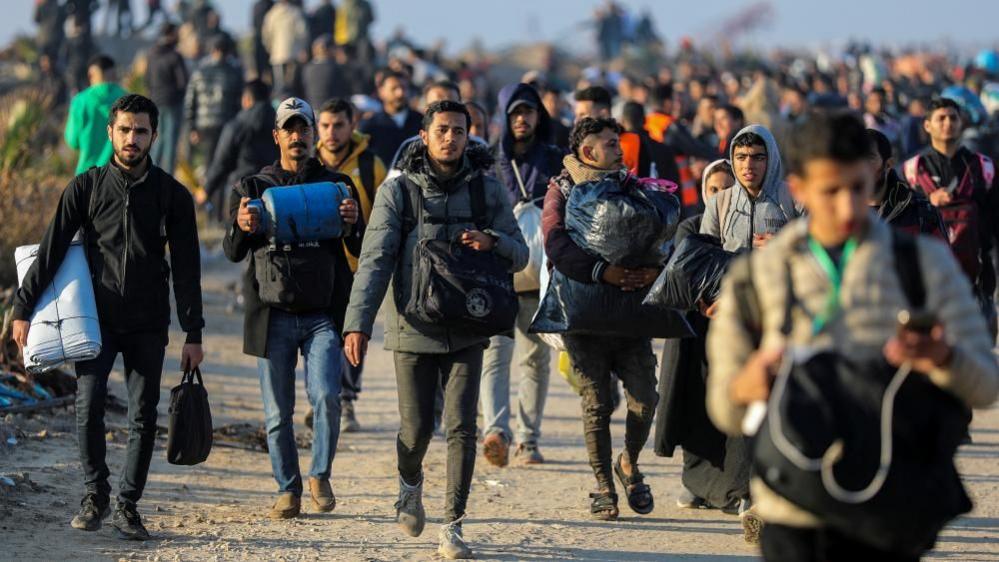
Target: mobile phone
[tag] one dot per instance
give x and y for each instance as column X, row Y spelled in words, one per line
column 919, row 321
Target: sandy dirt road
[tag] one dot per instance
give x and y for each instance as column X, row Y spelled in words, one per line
column 216, row 511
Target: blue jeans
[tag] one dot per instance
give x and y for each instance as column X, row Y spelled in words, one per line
column 318, row 340
column 164, row 150
column 497, row 362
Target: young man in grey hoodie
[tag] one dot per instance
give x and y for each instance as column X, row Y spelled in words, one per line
column 759, row 204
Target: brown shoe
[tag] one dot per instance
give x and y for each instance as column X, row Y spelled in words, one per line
column 287, row 506
column 496, row 448
column 322, row 495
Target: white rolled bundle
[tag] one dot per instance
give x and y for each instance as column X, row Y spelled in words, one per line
column 64, row 326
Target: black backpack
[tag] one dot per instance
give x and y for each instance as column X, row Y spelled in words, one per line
column 821, row 445
column 452, row 285
column 189, row 437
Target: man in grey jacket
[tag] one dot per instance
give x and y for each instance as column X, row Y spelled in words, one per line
column 759, row 204
column 441, row 167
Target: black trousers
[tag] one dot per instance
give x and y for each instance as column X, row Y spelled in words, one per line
column 781, row 543
column 594, row 359
column 143, row 356
column 417, row 377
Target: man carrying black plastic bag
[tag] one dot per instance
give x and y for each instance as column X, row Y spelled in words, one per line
column 446, row 175
column 832, row 282
column 596, row 155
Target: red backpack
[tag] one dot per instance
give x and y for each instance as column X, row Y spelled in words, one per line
column 962, row 215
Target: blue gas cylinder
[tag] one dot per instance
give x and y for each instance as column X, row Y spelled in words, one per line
column 302, row 213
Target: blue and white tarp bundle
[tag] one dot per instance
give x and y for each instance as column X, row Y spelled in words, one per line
column 64, row 326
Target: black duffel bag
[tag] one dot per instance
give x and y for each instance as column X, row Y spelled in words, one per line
column 866, row 447
column 571, row 307
column 453, row 285
column 189, row 438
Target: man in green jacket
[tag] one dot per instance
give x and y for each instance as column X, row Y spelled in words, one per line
column 86, row 128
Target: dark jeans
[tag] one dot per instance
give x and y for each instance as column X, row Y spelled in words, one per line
column 594, row 358
column 143, row 357
column 351, row 381
column 781, row 543
column 417, row 378
column 208, row 143
column 319, row 342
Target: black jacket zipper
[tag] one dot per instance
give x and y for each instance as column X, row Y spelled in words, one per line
column 124, row 253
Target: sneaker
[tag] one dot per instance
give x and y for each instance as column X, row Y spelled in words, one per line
column 452, row 544
column 92, row 512
column 409, row 512
column 287, row 506
column 752, row 525
column 348, row 423
column 687, row 500
column 496, row 448
column 128, row 523
column 322, row 494
column 528, row 453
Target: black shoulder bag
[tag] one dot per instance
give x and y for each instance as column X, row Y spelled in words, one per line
column 189, row 438
column 452, row 285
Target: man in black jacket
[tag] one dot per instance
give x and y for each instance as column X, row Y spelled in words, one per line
column 129, row 211
column 312, row 281
column 396, row 122
column 246, row 145
column 166, row 75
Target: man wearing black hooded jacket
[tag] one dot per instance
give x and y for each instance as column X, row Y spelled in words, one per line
column 524, row 164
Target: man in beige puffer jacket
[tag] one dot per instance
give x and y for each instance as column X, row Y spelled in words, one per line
column 828, row 176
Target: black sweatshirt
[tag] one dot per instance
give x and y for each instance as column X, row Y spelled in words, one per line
column 127, row 226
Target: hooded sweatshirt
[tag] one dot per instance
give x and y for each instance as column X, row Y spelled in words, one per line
column 541, row 162
column 766, row 214
column 87, row 126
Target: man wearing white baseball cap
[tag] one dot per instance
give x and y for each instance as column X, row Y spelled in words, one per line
column 297, row 304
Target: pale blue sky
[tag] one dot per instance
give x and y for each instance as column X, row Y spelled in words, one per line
column 971, row 23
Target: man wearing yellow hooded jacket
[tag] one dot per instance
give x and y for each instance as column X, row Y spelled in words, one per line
column 343, row 149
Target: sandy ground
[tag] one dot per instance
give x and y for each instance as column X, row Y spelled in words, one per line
column 216, row 510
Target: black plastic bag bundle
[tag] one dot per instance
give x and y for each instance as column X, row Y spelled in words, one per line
column 627, row 224
column 598, row 309
column 694, row 273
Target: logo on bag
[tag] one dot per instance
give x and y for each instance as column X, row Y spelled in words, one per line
column 479, row 303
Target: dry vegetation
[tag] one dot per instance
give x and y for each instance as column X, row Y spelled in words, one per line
column 33, row 171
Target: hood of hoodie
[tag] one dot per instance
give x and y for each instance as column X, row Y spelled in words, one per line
column 506, row 96
column 774, row 175
column 707, row 172
column 476, row 160
column 359, row 143
column 311, row 171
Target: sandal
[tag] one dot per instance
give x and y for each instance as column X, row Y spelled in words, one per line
column 604, row 506
column 639, row 493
